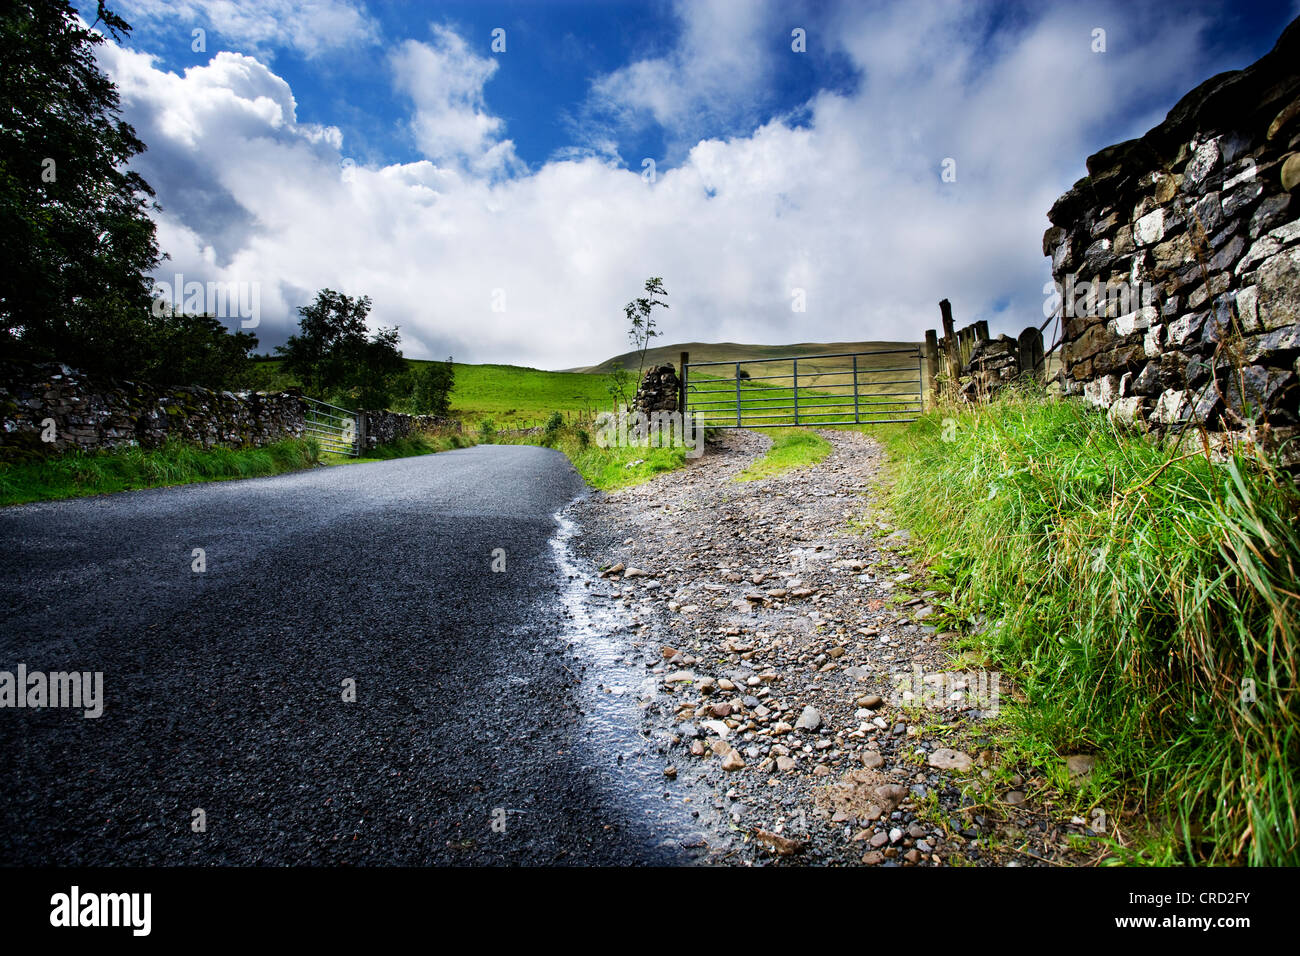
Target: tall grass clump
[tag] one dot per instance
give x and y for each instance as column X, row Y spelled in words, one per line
column 1144, row 599
column 78, row 473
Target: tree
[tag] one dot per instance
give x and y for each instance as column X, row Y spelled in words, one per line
column 332, row 332
column 378, row 364
column 641, row 320
column 76, row 238
column 617, row 386
column 188, row 349
column 432, row 392
column 332, row 354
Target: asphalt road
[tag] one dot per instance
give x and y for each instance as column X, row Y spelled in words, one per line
column 224, row 690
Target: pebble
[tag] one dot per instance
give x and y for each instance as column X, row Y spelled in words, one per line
column 945, row 759
column 795, row 620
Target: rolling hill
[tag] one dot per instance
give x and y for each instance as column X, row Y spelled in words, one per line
column 732, row 351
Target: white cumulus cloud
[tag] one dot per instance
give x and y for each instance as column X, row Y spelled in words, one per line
column 848, row 206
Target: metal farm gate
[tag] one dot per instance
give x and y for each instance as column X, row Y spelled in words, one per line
column 847, row 388
column 336, row 429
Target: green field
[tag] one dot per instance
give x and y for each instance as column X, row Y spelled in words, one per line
column 514, row 396
column 509, row 392
column 504, row 393
column 822, row 401
column 735, row 351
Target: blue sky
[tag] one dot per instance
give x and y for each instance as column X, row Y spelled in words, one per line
column 496, row 204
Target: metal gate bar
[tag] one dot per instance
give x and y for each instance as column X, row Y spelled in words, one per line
column 811, row 400
column 335, row 428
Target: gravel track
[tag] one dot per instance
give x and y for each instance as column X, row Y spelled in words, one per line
column 774, row 620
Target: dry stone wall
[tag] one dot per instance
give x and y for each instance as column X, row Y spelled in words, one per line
column 380, row 428
column 76, row 411
column 1177, row 260
column 993, row 364
column 658, row 391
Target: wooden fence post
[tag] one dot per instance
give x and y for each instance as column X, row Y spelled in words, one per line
column 932, row 362
column 949, row 339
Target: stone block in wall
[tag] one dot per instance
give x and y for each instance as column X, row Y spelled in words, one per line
column 1124, row 244
column 1246, row 304
column 1269, row 245
column 1062, row 256
column 1102, row 391
column 1277, row 282
column 1117, row 360
column 1197, row 370
column 1150, row 229
column 1171, row 407
column 1052, row 238
column 1290, row 173
column 1240, row 198
column 1153, row 343
column 1225, row 258
column 1272, row 212
column 1186, row 328
column 1257, row 393
column 1207, row 212
column 1274, row 347
column 1138, row 321
column 1095, row 339
column 1201, row 294
column 1097, row 259
column 1130, row 410
column 1147, row 381
column 1173, row 253
column 1204, row 160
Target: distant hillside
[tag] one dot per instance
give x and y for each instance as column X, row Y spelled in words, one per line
column 731, row 351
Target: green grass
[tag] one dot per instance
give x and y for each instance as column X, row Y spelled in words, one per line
column 505, row 393
column 823, row 398
column 508, row 392
column 1132, row 593
column 601, row 468
column 408, row 447
column 76, row 473
column 791, row 448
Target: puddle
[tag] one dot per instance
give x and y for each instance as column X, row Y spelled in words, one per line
column 616, row 685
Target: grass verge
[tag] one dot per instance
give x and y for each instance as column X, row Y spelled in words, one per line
column 791, row 448
column 408, row 447
column 77, row 473
column 602, row 468
column 1142, row 600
